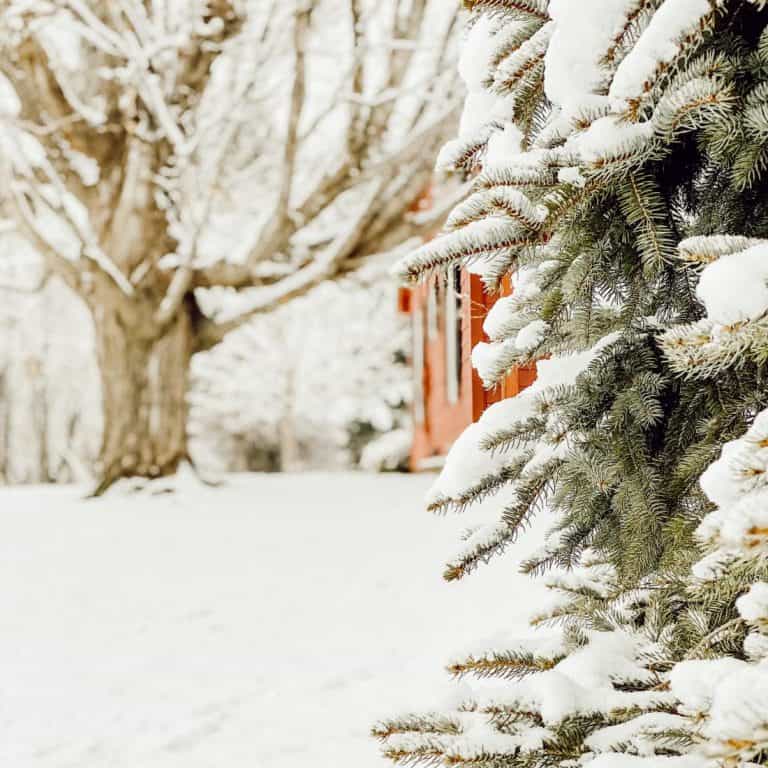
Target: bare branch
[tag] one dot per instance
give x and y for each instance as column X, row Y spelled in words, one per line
column 165, row 155
column 325, row 267
column 408, row 26
column 55, row 261
column 399, row 229
column 281, row 228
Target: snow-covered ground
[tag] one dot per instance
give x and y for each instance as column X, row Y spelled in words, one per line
column 265, row 624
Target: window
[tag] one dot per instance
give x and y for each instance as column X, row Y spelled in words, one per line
column 453, row 335
column 432, row 288
column 418, row 366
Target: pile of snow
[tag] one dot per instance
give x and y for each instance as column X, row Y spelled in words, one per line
column 735, row 287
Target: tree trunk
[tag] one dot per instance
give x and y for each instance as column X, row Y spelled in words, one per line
column 144, row 397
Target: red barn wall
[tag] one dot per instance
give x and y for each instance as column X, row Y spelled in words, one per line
column 443, row 420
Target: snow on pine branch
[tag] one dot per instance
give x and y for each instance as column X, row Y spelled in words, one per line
column 676, row 25
column 733, row 287
column 545, row 690
column 469, row 465
column 205, row 125
column 592, row 135
column 532, row 176
column 738, row 484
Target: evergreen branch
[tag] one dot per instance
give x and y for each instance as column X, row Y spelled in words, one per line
column 507, row 665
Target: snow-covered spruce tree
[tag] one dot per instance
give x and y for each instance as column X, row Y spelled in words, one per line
column 601, row 136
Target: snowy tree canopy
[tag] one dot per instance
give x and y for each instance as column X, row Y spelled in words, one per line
column 170, row 161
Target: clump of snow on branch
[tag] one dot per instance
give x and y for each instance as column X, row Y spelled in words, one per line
column 468, row 462
column 733, row 289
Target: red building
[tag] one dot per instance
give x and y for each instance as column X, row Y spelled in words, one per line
column 447, row 314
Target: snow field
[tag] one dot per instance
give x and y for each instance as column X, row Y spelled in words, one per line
column 266, row 623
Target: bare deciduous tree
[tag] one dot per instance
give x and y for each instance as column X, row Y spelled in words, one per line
column 125, row 126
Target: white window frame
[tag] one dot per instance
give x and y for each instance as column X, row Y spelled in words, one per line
column 419, row 404
column 432, row 289
column 452, row 351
